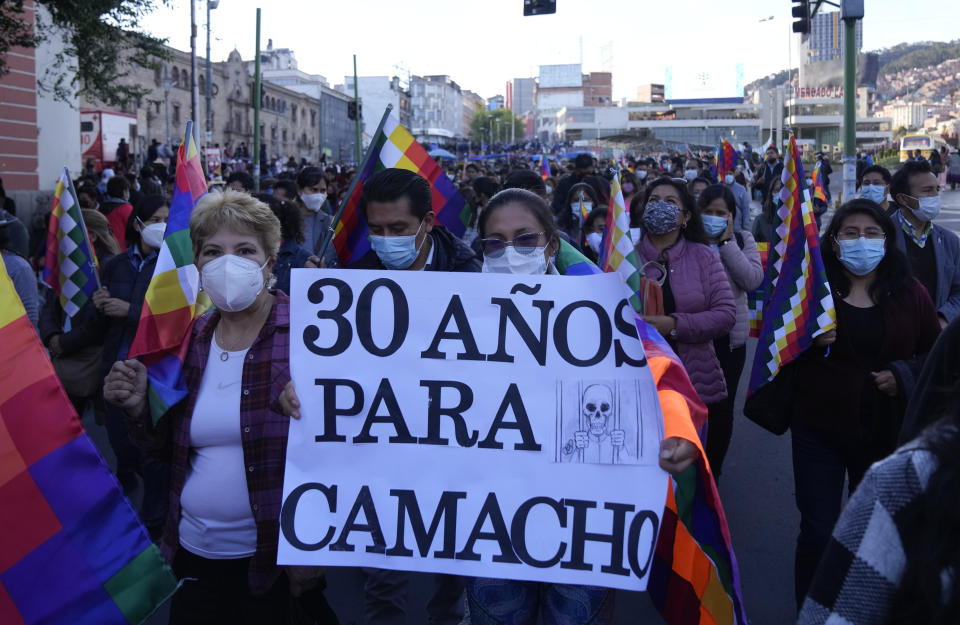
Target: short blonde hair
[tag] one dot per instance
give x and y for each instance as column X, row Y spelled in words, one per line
column 236, row 211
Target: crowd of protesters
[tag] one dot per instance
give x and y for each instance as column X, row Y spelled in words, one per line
column 894, row 272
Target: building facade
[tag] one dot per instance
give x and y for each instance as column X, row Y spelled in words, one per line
column 436, row 109
column 33, row 125
column 300, row 116
column 472, row 103
column 376, row 92
column 651, row 93
column 825, row 40
column 598, row 89
column 522, row 100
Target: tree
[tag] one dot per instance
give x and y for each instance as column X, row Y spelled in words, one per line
column 102, row 41
column 497, row 122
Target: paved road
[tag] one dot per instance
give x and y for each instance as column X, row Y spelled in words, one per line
column 758, row 495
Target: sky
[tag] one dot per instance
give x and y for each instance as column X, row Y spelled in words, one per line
column 484, row 43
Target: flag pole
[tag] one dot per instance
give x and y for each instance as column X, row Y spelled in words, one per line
column 328, row 236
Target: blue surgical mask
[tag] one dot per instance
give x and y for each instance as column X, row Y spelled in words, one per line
column 873, row 192
column 714, row 225
column 396, row 252
column 861, row 256
column 927, row 207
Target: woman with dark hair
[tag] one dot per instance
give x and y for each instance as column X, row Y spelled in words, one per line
column 291, row 255
column 697, row 300
column 519, row 236
column 741, row 260
column 593, row 227
column 582, row 198
column 312, row 198
column 124, row 279
column 77, row 348
column 857, row 378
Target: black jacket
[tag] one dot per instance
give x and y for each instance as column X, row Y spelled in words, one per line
column 449, row 254
column 126, row 282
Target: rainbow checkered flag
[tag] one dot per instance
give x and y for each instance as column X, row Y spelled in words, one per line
column 394, row 146
column 72, row 549
column 798, row 305
column 617, row 253
column 173, row 300
column 70, row 265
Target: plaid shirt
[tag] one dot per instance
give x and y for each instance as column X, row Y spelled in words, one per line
column 862, row 568
column 920, row 238
column 263, row 434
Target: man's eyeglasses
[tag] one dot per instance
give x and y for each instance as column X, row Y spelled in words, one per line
column 524, row 244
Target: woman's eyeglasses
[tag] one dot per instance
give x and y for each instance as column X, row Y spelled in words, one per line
column 524, row 244
column 851, row 234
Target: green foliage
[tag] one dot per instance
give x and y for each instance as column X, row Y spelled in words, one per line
column 768, row 82
column 917, row 55
column 14, row 32
column 102, row 41
column 485, row 121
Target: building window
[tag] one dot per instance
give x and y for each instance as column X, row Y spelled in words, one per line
column 313, row 119
column 293, row 113
column 176, row 113
column 157, row 106
column 284, row 135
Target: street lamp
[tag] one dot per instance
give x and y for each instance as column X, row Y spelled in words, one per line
column 211, row 4
column 167, row 86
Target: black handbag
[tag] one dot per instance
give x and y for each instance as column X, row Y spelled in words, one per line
column 771, row 405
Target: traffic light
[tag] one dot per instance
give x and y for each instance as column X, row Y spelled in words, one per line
column 352, row 109
column 539, row 7
column 802, row 13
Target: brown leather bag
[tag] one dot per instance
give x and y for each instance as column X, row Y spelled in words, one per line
column 80, row 372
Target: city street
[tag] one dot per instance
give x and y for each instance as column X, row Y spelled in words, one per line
column 757, row 492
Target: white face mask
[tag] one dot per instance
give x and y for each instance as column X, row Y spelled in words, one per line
column 728, row 178
column 232, row 282
column 593, row 240
column 313, row 201
column 152, row 235
column 512, row 261
column 642, row 174
column 549, row 189
column 927, row 207
column 690, row 174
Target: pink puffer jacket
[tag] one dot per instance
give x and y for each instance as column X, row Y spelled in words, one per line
column 705, row 309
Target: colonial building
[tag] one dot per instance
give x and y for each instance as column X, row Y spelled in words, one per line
column 301, row 119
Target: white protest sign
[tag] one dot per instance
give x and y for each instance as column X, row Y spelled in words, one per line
column 474, row 424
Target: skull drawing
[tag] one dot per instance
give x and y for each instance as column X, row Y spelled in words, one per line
column 597, row 407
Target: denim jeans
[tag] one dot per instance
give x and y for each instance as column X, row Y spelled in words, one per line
column 820, row 463
column 509, row 602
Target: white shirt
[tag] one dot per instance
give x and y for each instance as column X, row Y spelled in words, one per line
column 216, row 521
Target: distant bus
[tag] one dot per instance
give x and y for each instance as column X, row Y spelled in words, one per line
column 925, row 143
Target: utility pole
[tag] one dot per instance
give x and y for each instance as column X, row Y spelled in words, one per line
column 167, row 86
column 211, row 4
column 850, row 12
column 256, row 111
column 356, row 103
column 194, row 86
